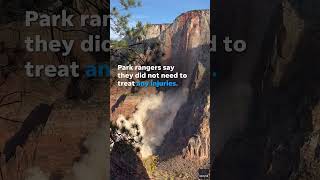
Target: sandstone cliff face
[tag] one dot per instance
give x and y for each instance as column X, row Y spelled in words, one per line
column 186, row 41
column 154, row 30
column 185, row 44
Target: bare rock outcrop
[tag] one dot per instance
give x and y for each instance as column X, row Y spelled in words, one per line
column 154, row 30
column 186, row 41
column 185, row 44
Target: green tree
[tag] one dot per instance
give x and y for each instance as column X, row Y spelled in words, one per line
column 120, row 18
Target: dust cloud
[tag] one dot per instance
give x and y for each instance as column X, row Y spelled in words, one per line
column 154, row 117
column 92, row 165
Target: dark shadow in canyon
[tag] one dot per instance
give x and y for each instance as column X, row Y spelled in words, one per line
column 125, row 164
column 280, row 117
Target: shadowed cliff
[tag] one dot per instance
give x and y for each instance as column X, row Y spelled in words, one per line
column 276, row 136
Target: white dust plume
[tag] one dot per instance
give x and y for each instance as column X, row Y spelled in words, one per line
column 154, row 117
column 92, row 165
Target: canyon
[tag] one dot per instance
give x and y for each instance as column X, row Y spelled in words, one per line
column 266, row 115
column 174, row 122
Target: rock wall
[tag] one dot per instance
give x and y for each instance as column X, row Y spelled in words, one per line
column 186, row 41
column 277, row 137
column 185, row 44
column 154, row 30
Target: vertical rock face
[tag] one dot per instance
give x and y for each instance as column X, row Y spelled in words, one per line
column 183, row 116
column 280, row 139
column 186, row 41
column 300, row 75
column 154, row 30
column 185, row 44
column 287, row 39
